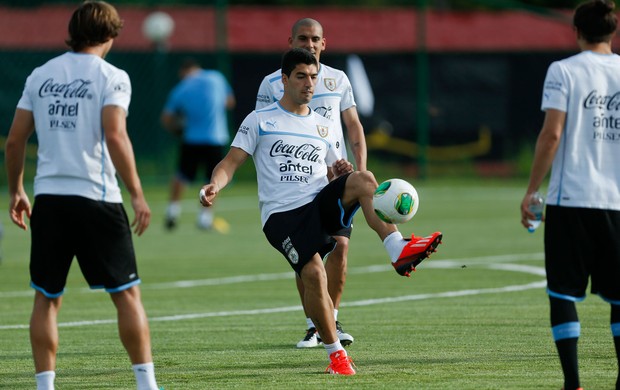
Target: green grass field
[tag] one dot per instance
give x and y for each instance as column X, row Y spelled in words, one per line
column 225, row 314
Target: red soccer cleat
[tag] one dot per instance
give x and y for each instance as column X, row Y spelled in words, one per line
column 340, row 364
column 416, row 250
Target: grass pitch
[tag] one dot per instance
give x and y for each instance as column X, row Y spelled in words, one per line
column 225, row 314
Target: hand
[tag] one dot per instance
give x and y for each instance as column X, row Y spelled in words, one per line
column 207, row 194
column 340, row 167
column 142, row 212
column 526, row 214
column 18, row 205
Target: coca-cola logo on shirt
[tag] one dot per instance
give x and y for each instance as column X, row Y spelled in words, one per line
column 75, row 89
column 596, row 100
column 306, row 152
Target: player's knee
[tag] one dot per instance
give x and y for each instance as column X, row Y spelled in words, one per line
column 365, row 181
column 341, row 250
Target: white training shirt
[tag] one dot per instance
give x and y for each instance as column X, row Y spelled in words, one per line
column 291, row 154
column 66, row 96
column 586, row 168
column 332, row 95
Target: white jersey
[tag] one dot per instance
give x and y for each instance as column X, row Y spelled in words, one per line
column 586, row 168
column 332, row 95
column 291, row 154
column 66, row 96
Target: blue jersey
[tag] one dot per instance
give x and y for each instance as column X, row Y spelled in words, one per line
column 200, row 100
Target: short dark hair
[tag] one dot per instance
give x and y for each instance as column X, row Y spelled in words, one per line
column 189, row 63
column 294, row 57
column 305, row 22
column 93, row 23
column 595, row 20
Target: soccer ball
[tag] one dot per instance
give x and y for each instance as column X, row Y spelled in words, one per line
column 395, row 201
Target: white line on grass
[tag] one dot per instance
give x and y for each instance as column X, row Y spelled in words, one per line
column 448, row 263
column 365, row 302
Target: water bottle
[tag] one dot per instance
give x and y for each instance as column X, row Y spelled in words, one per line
column 537, row 204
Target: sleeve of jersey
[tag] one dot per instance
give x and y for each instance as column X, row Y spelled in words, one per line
column 331, row 157
column 118, row 92
column 347, row 100
column 555, row 89
column 264, row 96
column 25, row 102
column 247, row 134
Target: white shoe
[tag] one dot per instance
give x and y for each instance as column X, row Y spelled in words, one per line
column 311, row 339
column 345, row 338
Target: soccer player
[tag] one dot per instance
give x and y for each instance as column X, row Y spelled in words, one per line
column 293, row 151
column 578, row 142
column 77, row 103
column 196, row 108
column 333, row 99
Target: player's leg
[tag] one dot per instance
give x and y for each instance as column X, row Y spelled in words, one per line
column 173, row 210
column 318, row 303
column 209, row 157
column 405, row 254
column 53, row 230
column 615, row 332
column 311, row 337
column 336, row 268
column 566, row 330
column 133, row 329
column 133, row 324
column 186, row 173
column 113, row 267
column 321, row 309
column 604, row 278
column 568, row 257
column 44, row 331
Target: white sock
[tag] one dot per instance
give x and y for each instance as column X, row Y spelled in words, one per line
column 336, row 314
column 145, row 376
column 331, row 348
column 394, row 244
column 310, row 323
column 173, row 210
column 205, row 217
column 45, row 380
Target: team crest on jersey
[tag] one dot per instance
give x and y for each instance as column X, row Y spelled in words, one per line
column 323, row 130
column 330, row 83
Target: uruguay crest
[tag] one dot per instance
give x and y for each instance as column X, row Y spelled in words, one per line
column 330, row 83
column 323, row 130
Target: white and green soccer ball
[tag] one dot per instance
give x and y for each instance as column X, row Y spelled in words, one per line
column 395, row 201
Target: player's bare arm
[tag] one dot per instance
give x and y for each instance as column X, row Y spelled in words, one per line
column 121, row 152
column 15, row 153
column 546, row 147
column 222, row 175
column 356, row 138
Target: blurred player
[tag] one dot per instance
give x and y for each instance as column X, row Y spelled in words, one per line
column 579, row 143
column 77, row 103
column 293, row 151
column 196, row 109
column 333, row 99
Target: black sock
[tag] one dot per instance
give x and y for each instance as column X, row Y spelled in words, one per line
column 565, row 324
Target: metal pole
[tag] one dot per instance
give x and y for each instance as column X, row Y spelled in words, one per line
column 221, row 38
column 422, row 89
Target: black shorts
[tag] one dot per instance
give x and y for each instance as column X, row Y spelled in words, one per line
column 96, row 233
column 582, row 244
column 301, row 233
column 193, row 157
